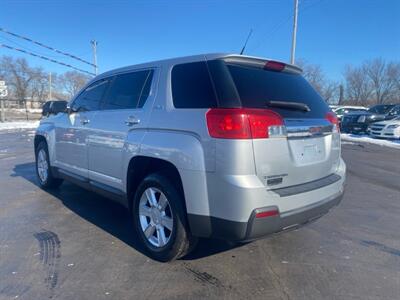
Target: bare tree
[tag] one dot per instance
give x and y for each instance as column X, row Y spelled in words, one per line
column 71, row 82
column 18, row 74
column 26, row 82
column 313, row 73
column 331, row 91
column 393, row 75
column 383, row 78
column 358, row 86
column 315, row 76
column 39, row 88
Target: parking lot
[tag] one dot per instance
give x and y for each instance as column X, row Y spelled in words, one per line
column 73, row 244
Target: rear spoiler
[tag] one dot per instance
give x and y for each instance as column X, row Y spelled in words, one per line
column 256, row 62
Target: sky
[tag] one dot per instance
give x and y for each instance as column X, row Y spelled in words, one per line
column 331, row 33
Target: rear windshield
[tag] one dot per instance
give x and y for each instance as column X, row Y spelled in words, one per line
column 216, row 83
column 256, row 87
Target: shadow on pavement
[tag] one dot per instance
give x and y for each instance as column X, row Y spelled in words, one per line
column 109, row 215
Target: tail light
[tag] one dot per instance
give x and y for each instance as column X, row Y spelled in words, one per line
column 333, row 119
column 243, row 123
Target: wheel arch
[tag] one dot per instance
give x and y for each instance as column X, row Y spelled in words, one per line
column 38, row 139
column 141, row 166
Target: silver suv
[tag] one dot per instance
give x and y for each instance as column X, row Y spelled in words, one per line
column 216, row 146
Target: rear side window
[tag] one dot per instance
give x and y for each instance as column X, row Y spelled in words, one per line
column 90, row 98
column 128, row 90
column 258, row 86
column 192, row 86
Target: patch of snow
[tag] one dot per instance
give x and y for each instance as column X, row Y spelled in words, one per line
column 19, row 125
column 30, row 110
column 367, row 139
column 348, row 143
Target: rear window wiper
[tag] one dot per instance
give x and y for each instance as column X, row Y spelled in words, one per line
column 289, row 105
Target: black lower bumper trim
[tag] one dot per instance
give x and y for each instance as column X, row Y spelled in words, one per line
column 306, row 187
column 255, row 228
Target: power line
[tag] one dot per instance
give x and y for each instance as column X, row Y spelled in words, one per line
column 28, row 48
column 47, row 47
column 284, row 21
column 46, row 58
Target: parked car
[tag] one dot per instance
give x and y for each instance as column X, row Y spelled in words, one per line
column 215, row 146
column 341, row 110
column 386, row 129
column 358, row 122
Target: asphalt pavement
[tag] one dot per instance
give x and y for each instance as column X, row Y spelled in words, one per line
column 74, row 244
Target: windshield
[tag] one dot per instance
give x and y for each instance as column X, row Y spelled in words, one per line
column 380, row 109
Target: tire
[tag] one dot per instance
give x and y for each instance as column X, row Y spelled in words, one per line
column 162, row 243
column 43, row 169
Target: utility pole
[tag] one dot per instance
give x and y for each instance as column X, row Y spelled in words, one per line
column 341, row 92
column 2, row 114
column 296, row 10
column 94, row 47
column 3, row 94
column 50, row 96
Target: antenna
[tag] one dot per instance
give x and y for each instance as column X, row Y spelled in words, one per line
column 245, row 43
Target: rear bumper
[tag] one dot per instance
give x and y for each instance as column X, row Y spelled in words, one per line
column 257, row 228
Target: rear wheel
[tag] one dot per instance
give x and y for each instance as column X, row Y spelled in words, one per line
column 43, row 170
column 160, row 219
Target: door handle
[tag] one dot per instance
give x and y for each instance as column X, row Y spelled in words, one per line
column 85, row 121
column 132, row 121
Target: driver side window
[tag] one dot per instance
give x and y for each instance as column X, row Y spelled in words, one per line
column 395, row 111
column 90, row 99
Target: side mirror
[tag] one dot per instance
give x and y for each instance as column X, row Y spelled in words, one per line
column 58, row 107
column 46, row 109
column 53, row 108
column 68, row 109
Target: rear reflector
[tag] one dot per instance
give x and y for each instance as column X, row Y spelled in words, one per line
column 243, row 123
column 265, row 214
column 332, row 118
column 274, row 65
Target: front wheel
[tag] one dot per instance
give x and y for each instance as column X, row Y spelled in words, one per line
column 43, row 170
column 160, row 219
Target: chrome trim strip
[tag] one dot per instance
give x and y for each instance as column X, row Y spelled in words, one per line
column 307, row 128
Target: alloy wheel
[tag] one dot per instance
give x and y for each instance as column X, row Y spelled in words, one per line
column 155, row 217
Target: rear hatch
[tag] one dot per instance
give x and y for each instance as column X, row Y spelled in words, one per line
column 308, row 146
